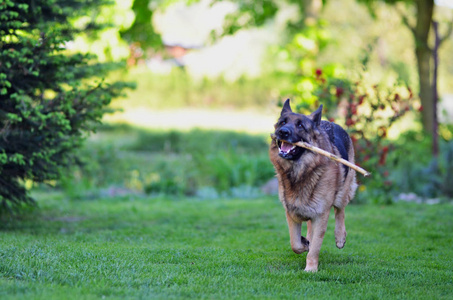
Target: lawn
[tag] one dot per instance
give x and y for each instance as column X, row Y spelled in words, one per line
column 166, row 248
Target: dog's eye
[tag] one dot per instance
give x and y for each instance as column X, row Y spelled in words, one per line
column 299, row 125
column 282, row 123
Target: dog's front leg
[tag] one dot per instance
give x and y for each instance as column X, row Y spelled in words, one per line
column 319, row 226
column 340, row 230
column 309, row 230
column 294, row 235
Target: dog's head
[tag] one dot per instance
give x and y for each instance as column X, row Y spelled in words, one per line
column 292, row 128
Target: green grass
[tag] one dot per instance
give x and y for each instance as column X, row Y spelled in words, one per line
column 221, row 249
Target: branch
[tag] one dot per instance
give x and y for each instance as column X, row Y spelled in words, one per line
column 329, row 155
column 447, row 34
column 405, row 20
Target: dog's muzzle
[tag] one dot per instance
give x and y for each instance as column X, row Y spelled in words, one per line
column 289, row 151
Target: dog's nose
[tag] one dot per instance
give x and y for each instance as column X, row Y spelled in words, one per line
column 284, row 132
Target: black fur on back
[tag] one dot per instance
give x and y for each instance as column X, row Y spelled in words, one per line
column 339, row 137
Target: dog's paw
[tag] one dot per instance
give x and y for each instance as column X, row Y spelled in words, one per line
column 341, row 241
column 311, row 269
column 303, row 247
column 312, row 263
column 299, row 250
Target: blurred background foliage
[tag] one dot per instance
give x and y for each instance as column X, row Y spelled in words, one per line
column 207, row 71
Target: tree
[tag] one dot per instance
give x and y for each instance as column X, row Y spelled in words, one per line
column 418, row 18
column 420, row 29
column 423, row 53
column 142, row 30
column 49, row 97
column 420, row 23
column 250, row 13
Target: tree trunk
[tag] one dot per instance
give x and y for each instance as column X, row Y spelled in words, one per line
column 426, row 94
column 423, row 53
column 435, row 148
column 312, row 9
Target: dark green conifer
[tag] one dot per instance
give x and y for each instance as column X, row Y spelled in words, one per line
column 50, row 98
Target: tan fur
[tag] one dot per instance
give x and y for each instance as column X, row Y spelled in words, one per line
column 308, row 188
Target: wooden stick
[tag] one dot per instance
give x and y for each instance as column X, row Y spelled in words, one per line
column 329, row 155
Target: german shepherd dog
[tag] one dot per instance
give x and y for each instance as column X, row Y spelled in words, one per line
column 309, row 183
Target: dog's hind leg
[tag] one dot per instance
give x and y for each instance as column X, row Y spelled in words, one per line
column 319, row 229
column 297, row 243
column 340, row 228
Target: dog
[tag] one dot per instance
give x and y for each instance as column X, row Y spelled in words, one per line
column 311, row 184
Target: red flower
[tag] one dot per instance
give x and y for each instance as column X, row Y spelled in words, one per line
column 397, row 97
column 318, row 72
column 383, row 158
column 420, row 109
column 339, row 91
column 361, row 98
column 395, row 108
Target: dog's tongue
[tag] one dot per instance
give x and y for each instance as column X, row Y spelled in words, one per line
column 286, row 146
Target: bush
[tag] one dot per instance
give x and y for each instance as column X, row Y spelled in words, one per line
column 197, row 141
column 225, row 170
column 48, row 96
column 414, row 171
column 223, row 163
column 367, row 111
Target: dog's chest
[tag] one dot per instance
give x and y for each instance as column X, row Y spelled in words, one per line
column 307, row 198
column 303, row 208
column 299, row 213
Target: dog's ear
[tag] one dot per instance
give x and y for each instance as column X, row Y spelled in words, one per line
column 316, row 116
column 286, row 107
